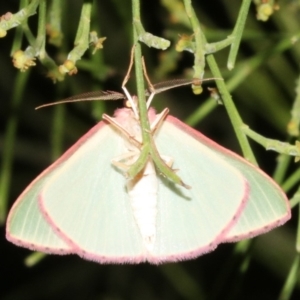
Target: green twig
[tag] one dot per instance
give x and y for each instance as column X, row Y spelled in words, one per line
column 57, row 131
column 293, row 126
column 298, row 232
column 283, row 148
column 40, row 45
column 244, row 69
column 54, row 29
column 234, row 116
column 81, row 41
column 148, row 144
column 199, row 53
column 148, row 38
column 14, row 20
column 237, row 33
column 275, row 145
column 291, row 280
column 82, row 36
column 283, row 162
column 295, row 200
column 199, row 65
column 34, row 258
column 17, row 42
column 40, row 41
column 292, row 181
column 217, row 46
column 9, row 143
column 140, row 76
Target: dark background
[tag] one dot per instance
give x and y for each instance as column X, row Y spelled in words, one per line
column 264, row 98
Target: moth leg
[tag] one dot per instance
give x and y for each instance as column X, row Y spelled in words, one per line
column 150, row 85
column 158, row 120
column 168, row 160
column 125, row 160
column 119, row 127
column 133, row 103
column 129, row 68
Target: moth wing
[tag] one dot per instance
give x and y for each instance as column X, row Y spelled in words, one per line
column 267, row 207
column 87, row 205
column 26, row 225
column 193, row 222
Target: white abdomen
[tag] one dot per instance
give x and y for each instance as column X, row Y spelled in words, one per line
column 142, row 191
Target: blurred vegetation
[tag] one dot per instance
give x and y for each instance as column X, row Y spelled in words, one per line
column 263, row 81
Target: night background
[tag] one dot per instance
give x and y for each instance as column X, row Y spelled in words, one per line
column 263, row 85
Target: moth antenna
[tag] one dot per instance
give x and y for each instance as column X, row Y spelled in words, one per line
column 90, row 96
